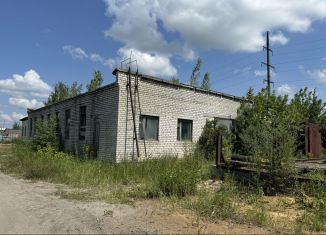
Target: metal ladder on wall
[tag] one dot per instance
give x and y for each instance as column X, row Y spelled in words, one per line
column 133, row 107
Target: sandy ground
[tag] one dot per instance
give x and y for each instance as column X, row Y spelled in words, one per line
column 32, row 207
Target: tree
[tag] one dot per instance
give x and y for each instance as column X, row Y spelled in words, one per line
column 175, row 80
column 306, row 107
column 264, row 129
column 206, row 82
column 62, row 92
column 96, row 82
column 16, row 126
column 195, row 73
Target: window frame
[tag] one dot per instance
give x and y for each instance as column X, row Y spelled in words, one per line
column 82, row 122
column 225, row 119
column 67, row 123
column 179, row 129
column 142, row 134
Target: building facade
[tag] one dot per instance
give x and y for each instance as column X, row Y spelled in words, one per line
column 168, row 117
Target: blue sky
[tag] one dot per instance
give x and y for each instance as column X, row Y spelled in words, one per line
column 43, row 42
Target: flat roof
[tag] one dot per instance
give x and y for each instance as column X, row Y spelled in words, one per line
column 148, row 77
column 75, row 97
column 180, row 85
column 24, row 118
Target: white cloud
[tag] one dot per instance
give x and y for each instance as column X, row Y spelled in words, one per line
column 5, row 117
column 262, row 73
column 278, row 38
column 79, row 53
column 231, row 25
column 318, row 74
column 10, row 118
column 25, row 103
column 152, row 64
column 29, row 84
column 75, row 52
column 286, row 89
column 96, row 58
column 17, row 116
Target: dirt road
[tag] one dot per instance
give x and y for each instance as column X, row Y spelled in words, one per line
column 32, row 207
column 27, row 207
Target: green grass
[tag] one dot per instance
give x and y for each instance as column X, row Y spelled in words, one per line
column 174, row 180
column 166, row 176
column 228, row 204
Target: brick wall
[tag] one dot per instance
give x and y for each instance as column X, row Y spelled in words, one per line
column 101, row 104
column 170, row 103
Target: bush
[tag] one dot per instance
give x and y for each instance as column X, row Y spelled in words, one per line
column 47, row 134
column 263, row 130
column 207, row 140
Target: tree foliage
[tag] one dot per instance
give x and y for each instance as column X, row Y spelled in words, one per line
column 206, row 82
column 16, row 126
column 305, row 107
column 265, row 129
column 47, row 134
column 195, row 74
column 62, row 92
column 96, row 82
column 207, row 140
column 175, row 80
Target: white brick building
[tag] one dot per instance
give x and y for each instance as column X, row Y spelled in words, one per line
column 172, row 117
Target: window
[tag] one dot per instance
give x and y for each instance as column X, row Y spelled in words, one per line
column 67, row 124
column 42, row 118
column 35, row 123
column 184, row 130
column 148, row 128
column 31, row 127
column 82, row 122
column 49, row 116
column 224, row 122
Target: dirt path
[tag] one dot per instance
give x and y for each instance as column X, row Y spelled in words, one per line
column 32, row 207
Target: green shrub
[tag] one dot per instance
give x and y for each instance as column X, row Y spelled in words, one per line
column 46, row 134
column 208, row 138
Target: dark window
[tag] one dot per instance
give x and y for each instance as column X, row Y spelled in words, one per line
column 42, row 118
column 184, row 130
column 82, row 122
column 57, row 115
column 49, row 116
column 34, row 128
column 67, row 124
column 30, row 127
column 224, row 122
column 148, row 127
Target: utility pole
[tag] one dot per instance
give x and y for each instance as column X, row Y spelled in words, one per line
column 268, row 65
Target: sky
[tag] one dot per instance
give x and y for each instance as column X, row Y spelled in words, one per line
column 44, row 42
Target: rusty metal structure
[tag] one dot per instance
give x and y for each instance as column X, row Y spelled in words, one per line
column 313, row 143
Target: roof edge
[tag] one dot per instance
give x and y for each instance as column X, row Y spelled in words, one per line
column 114, row 84
column 212, row 92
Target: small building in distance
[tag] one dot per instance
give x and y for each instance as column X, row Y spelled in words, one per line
column 10, row 134
column 167, row 118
